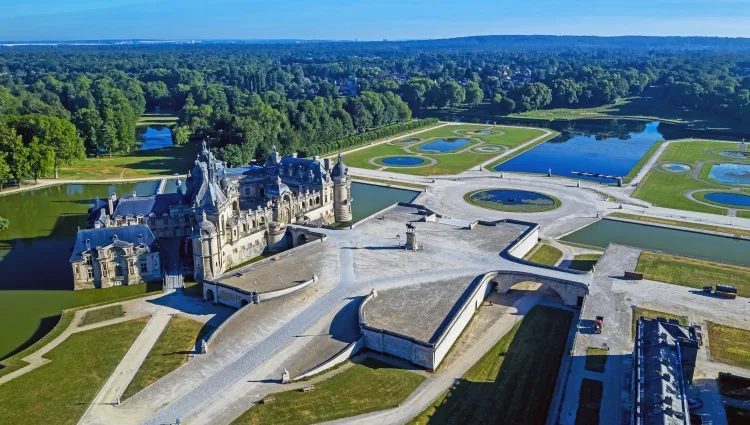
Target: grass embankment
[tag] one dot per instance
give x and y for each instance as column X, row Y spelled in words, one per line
column 389, row 183
column 667, row 190
column 262, row 256
column 449, row 162
column 693, row 273
column 138, row 164
column 170, row 352
column 61, row 391
column 514, row 382
column 584, row 262
column 366, row 387
column 644, row 159
column 729, row 345
column 102, row 314
column 589, row 402
column 653, row 314
column 596, row 359
column 743, row 214
column 545, row 254
column 164, row 120
column 699, row 226
column 15, row 362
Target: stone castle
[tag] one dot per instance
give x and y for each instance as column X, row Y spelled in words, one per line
column 218, row 219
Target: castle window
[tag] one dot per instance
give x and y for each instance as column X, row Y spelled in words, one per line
column 144, row 267
column 90, row 273
column 152, row 221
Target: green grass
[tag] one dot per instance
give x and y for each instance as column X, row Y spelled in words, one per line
column 653, row 314
column 447, row 163
column 693, row 273
column 584, row 262
column 729, row 345
column 523, row 208
column 708, row 227
column 596, row 359
column 666, row 190
column 694, row 152
column 366, row 387
column 644, row 159
column 262, row 256
column 15, row 362
column 743, row 214
column 102, row 314
column 157, row 120
column 193, row 289
column 170, row 352
column 138, row 164
column 514, row 382
column 61, row 391
column 545, row 254
column 390, row 182
column 589, row 402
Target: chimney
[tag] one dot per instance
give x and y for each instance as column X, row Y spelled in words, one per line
column 327, row 164
column 111, row 202
column 294, row 155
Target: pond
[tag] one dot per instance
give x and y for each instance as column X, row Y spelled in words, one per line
column 676, row 168
column 444, row 145
column 155, row 137
column 736, row 154
column 36, row 277
column 673, row 241
column 731, row 173
column 726, row 198
column 612, row 152
column 512, row 200
column 402, row 161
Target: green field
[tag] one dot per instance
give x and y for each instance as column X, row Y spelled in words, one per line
column 596, row 359
column 694, row 152
column 653, row 314
column 102, row 314
column 584, row 262
column 729, row 345
column 170, row 352
column 365, row 387
column 693, row 273
column 61, row 391
column 157, row 120
column 709, row 227
column 665, row 189
column 447, row 163
column 589, row 402
column 514, row 382
column 545, row 254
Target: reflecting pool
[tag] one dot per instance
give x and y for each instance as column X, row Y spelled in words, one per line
column 444, row 145
column 673, row 241
column 512, row 200
column 155, row 137
column 676, row 168
column 731, row 173
column 733, row 199
column 612, row 153
column 369, row 198
column 402, row 161
column 736, row 154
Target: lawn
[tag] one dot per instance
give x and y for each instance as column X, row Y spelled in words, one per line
column 653, row 314
column 157, row 120
column 743, row 214
column 694, row 152
column 514, row 382
column 138, row 164
column 365, row 387
column 61, row 391
column 584, row 262
column 589, row 402
column 170, row 352
column 708, row 227
column 102, row 314
column 665, row 189
column 545, row 254
column 447, row 163
column 596, row 359
column 729, row 345
column 693, row 273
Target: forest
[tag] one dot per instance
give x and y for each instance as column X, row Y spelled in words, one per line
column 60, row 105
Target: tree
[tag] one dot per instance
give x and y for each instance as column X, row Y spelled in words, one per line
column 5, row 173
column 452, row 93
column 88, row 122
column 4, row 224
column 474, row 93
column 180, row 135
column 16, row 154
column 41, row 159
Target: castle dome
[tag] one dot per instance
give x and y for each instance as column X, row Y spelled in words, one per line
column 205, row 227
column 339, row 170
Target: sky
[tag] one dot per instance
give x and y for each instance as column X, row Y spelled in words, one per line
column 26, row 20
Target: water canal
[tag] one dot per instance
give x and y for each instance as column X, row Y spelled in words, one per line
column 155, row 137
column 36, row 277
column 673, row 241
column 611, row 151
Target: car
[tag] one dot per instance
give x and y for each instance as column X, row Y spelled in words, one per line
column 694, row 403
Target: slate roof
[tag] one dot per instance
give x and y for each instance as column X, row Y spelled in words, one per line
column 105, row 236
column 145, row 205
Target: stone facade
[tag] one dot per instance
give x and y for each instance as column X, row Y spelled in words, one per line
column 218, row 219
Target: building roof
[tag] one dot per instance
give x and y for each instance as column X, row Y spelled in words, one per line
column 89, row 239
column 339, row 169
column 145, row 205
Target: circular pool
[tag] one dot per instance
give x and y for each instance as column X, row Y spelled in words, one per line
column 407, row 141
column 727, row 198
column 488, row 149
column 402, row 161
column 735, row 154
column 676, row 168
column 512, row 200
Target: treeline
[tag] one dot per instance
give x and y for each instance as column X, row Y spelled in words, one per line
column 352, row 141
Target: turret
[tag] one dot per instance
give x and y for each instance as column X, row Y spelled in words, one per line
column 206, row 252
column 342, row 192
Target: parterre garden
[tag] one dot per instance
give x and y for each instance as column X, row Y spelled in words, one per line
column 449, row 149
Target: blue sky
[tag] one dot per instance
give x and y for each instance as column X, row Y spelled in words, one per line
column 370, row 20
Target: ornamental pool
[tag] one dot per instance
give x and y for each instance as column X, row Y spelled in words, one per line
column 402, row 161
column 155, row 137
column 726, row 198
column 444, row 145
column 730, row 173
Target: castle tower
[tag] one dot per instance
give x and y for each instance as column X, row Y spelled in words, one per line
column 342, row 192
column 206, row 252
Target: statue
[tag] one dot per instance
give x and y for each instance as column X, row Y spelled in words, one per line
column 285, row 379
